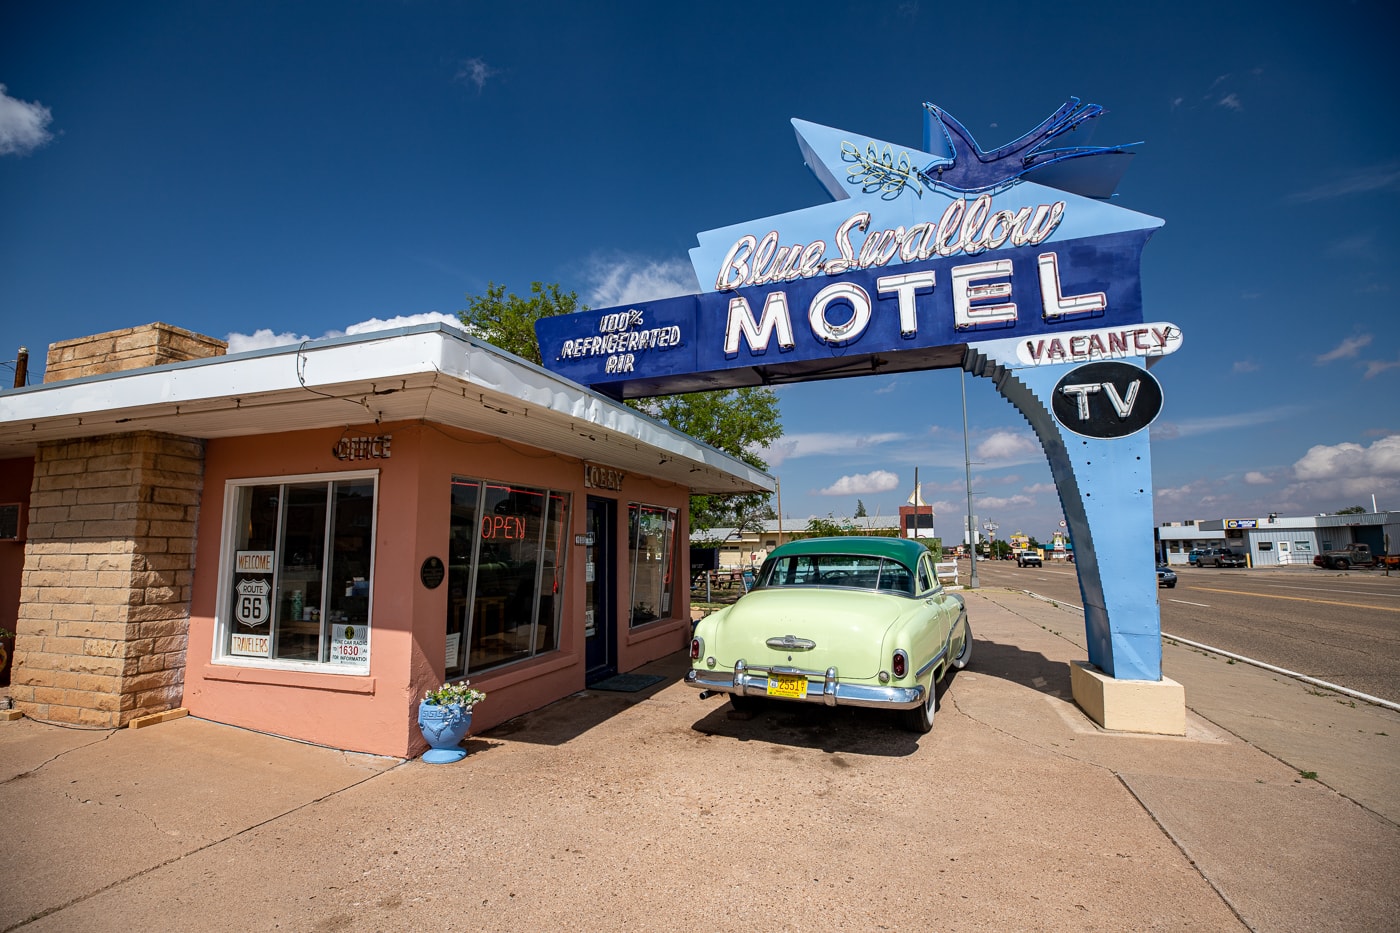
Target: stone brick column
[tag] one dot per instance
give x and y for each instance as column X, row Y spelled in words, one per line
column 108, row 570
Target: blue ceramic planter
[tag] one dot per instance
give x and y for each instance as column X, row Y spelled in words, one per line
column 444, row 728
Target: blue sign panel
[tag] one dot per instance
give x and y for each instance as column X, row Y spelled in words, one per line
column 1008, row 263
column 885, row 319
column 902, row 271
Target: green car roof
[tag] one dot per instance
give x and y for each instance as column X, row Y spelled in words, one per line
column 904, row 550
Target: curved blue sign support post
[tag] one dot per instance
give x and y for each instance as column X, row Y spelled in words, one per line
column 1010, row 263
column 1105, row 487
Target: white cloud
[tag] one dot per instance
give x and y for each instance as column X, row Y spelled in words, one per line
column 817, row 444
column 1255, row 478
column 1005, row 445
column 1351, row 461
column 1039, row 489
column 261, row 340
column 1230, row 101
column 984, row 504
column 862, row 484
column 1376, row 367
column 1347, row 348
column 23, row 125
column 1245, row 366
column 476, row 72
column 620, row 281
column 402, row 320
column 264, row 338
column 1383, row 177
column 1171, row 430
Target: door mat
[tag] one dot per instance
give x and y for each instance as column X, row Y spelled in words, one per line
column 627, row 683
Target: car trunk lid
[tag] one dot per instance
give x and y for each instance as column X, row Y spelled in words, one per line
column 813, row 630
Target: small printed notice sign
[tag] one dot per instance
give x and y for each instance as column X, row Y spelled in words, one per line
column 350, row 644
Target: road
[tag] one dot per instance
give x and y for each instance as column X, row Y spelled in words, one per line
column 1343, row 628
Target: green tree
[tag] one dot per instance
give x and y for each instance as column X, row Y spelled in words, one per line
column 739, row 422
column 860, row 509
column 508, row 321
column 1351, row 510
column 826, row 527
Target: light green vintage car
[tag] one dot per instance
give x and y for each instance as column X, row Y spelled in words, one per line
column 840, row 621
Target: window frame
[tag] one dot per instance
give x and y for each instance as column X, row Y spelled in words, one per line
column 670, row 561
column 228, row 547
column 561, row 555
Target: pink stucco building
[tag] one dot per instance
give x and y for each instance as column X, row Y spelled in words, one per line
column 303, row 540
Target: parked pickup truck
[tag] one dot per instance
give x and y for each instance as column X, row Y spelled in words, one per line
column 1356, row 555
column 1220, row 557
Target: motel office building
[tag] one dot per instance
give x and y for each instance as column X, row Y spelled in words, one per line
column 303, row 540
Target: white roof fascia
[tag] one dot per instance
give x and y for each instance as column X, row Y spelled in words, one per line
column 390, row 375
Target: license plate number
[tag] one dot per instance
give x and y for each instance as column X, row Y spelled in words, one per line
column 789, row 686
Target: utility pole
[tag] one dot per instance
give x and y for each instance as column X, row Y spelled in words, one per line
column 778, row 488
column 967, row 462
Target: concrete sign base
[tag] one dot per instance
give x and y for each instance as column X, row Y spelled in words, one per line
column 1156, row 707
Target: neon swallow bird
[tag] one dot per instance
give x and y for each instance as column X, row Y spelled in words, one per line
column 1091, row 171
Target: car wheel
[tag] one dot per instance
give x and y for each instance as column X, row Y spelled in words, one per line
column 965, row 655
column 920, row 718
column 1342, row 564
column 1171, row 585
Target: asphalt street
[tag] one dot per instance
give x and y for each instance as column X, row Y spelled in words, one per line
column 1340, row 627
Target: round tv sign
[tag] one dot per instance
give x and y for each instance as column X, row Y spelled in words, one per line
column 1107, row 399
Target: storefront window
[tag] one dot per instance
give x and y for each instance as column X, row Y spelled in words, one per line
column 505, row 574
column 651, row 542
column 297, row 571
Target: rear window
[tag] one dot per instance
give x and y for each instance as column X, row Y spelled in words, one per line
column 844, row 570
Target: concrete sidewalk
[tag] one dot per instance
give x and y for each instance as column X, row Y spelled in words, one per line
column 660, row 811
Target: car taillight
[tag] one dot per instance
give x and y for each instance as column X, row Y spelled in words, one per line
column 696, row 649
column 900, row 664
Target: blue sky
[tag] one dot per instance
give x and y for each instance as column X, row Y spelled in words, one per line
column 265, row 172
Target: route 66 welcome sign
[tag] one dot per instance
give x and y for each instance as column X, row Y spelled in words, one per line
column 252, row 602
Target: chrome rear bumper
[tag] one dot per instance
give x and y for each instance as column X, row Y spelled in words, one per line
column 822, row 687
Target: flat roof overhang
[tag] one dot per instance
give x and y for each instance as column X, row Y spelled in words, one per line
column 428, row 373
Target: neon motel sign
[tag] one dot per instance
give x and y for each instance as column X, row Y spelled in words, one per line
column 1010, row 264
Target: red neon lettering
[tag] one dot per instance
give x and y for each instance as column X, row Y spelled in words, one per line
column 503, row 526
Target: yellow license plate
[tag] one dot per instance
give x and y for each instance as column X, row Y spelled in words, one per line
column 790, row 686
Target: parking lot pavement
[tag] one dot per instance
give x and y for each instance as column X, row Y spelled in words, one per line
column 659, row 810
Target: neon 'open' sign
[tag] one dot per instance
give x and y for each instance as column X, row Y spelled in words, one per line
column 510, row 527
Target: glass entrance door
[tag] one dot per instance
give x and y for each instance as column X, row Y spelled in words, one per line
column 600, row 617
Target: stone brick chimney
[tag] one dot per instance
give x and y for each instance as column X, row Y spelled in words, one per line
column 133, row 348
column 109, row 552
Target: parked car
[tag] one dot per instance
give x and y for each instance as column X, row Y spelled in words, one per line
column 1166, row 576
column 1220, row 557
column 1195, row 556
column 850, row 621
column 1028, row 559
column 1355, row 555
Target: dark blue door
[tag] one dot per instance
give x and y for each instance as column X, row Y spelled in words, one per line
column 600, row 652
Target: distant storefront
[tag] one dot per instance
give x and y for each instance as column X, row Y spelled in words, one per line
column 1279, row 540
column 303, row 540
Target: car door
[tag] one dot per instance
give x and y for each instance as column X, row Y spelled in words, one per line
column 941, row 614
